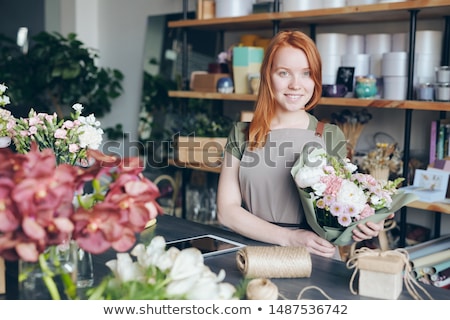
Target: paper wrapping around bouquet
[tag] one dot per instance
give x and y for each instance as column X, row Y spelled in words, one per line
column 343, row 236
column 274, row 262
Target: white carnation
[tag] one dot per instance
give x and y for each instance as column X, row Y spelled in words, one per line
column 90, row 137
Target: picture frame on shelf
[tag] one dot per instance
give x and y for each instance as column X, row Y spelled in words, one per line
column 346, row 76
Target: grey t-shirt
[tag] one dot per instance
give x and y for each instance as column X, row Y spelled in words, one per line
column 267, row 187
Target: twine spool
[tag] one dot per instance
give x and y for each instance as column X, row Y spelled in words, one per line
column 274, row 262
column 261, row 289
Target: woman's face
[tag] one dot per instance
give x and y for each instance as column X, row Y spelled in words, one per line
column 292, row 85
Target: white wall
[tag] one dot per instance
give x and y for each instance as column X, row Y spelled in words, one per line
column 117, row 28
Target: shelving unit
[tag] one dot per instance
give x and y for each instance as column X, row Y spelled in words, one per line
column 382, row 12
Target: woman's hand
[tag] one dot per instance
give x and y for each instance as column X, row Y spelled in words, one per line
column 313, row 243
column 369, row 230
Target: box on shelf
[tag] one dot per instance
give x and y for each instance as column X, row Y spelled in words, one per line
column 206, row 82
column 429, row 185
column 200, row 150
column 246, row 60
column 380, row 277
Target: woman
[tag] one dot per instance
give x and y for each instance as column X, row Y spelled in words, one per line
column 257, row 196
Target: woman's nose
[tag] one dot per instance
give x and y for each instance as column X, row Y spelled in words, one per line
column 296, row 83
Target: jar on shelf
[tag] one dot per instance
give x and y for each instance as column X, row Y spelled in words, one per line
column 366, row 87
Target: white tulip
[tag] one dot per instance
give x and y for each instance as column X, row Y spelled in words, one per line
column 167, row 259
column 125, row 269
column 188, row 263
column 148, row 256
column 183, row 286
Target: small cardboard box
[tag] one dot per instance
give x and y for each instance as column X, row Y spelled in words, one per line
column 246, row 60
column 207, row 82
column 381, row 277
column 200, row 150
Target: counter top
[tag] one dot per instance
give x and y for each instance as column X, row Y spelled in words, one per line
column 329, row 275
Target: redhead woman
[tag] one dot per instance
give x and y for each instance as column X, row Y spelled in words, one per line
column 257, row 196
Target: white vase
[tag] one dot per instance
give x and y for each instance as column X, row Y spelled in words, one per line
column 5, row 142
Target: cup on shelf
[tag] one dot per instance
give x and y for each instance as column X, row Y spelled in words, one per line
column 443, row 74
column 443, row 91
column 334, row 90
column 425, row 92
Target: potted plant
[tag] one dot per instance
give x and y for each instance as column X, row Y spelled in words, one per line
column 55, row 73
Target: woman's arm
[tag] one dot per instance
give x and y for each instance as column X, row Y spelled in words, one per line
column 232, row 215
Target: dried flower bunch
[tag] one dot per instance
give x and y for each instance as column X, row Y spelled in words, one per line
column 385, row 155
column 352, row 124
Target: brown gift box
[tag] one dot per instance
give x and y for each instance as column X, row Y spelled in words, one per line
column 380, row 276
column 200, row 150
column 207, row 82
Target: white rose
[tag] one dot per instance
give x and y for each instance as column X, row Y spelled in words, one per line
column 308, row 176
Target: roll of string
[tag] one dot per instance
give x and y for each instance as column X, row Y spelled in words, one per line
column 274, row 262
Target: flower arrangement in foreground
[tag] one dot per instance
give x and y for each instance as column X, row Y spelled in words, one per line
column 6, row 119
column 69, row 139
column 155, row 273
column 336, row 198
column 37, row 212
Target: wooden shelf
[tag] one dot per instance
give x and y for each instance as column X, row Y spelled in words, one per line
column 211, row 95
column 431, row 206
column 391, row 11
column 345, row 102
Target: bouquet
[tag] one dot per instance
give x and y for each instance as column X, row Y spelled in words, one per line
column 6, row 119
column 155, row 273
column 336, row 198
column 69, row 139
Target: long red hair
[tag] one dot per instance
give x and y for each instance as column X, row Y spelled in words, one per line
column 265, row 103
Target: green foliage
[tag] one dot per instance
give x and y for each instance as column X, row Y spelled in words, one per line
column 56, row 73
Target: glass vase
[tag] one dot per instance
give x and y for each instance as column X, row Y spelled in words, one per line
column 52, row 277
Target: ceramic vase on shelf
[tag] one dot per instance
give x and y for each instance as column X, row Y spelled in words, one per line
column 380, row 173
column 52, row 277
column 366, row 87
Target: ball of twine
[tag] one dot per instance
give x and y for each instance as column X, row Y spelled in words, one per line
column 274, row 262
column 261, row 289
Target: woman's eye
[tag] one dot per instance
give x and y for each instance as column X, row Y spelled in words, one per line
column 307, row 73
column 283, row 73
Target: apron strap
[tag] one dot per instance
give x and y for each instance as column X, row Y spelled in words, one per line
column 319, row 128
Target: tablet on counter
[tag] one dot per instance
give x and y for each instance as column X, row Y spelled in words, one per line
column 208, row 244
